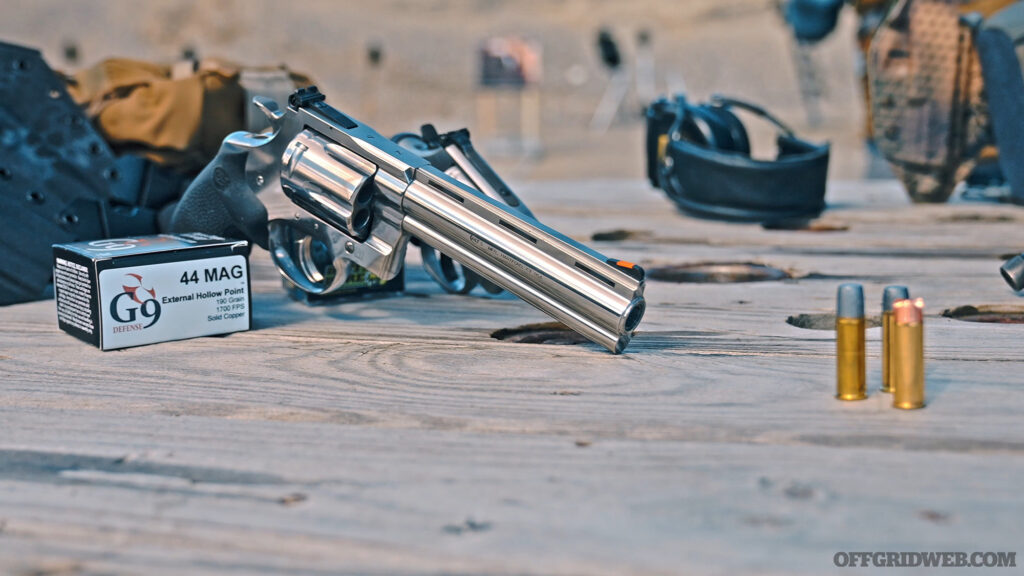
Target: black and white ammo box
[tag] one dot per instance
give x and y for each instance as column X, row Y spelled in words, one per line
column 123, row 292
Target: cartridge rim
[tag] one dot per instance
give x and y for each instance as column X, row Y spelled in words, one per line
column 852, row 397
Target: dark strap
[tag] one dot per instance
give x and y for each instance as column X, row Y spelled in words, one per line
column 726, row 102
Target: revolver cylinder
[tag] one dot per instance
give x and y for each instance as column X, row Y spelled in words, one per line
column 329, row 181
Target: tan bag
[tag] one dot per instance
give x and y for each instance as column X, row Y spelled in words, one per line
column 926, row 100
column 175, row 116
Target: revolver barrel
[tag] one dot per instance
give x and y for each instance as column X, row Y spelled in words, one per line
column 601, row 299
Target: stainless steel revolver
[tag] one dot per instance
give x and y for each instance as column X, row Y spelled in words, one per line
column 358, row 197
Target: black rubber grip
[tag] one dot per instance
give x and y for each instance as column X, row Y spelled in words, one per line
column 220, row 201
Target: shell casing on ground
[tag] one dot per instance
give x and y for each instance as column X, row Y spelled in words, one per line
column 887, row 322
column 851, row 373
column 908, row 365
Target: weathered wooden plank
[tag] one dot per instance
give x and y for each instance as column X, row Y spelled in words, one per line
column 396, row 436
column 391, row 501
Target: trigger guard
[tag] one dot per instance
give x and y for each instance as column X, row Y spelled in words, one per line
column 286, row 236
column 442, row 270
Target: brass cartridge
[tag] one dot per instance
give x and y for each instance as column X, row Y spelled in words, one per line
column 908, row 354
column 851, row 374
column 891, row 294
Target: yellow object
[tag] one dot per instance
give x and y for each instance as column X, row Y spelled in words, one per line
column 908, row 354
column 851, row 373
column 887, row 352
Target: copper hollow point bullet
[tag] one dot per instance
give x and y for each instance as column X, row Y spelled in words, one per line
column 889, row 296
column 851, row 375
column 908, row 354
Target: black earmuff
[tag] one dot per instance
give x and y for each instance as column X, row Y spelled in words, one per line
column 711, row 126
column 700, row 156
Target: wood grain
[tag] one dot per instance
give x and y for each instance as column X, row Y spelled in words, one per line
column 395, row 436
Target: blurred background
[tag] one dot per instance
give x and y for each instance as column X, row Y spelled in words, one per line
column 396, row 64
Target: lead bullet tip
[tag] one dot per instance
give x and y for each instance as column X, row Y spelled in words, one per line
column 892, row 294
column 850, row 301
